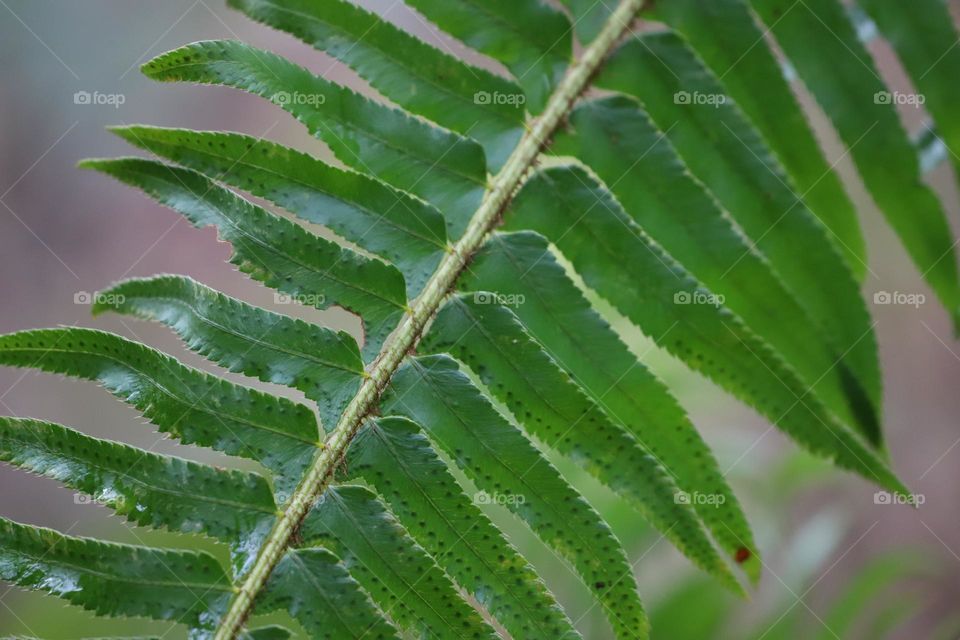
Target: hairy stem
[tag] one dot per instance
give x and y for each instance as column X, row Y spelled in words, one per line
column 405, row 337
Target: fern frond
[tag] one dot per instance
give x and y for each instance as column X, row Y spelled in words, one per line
column 395, row 456
column 402, row 229
column 324, row 364
column 647, row 460
column 923, row 35
column 723, row 34
column 192, row 406
column 416, row 76
column 314, row 587
column 530, row 38
column 148, row 489
column 479, row 276
column 397, row 573
column 116, row 579
column 728, row 155
column 871, row 128
column 668, row 204
column 282, row 255
column 445, row 169
column 706, row 336
column 498, row 458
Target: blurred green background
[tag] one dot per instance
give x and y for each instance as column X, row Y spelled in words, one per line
column 837, row 565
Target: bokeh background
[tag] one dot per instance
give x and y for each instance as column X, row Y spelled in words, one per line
column 64, row 232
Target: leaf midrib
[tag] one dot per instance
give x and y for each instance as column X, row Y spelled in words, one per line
column 500, row 192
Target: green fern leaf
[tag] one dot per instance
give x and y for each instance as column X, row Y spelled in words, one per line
column 728, row 155
column 444, row 169
column 489, row 290
column 841, row 75
column 111, row 638
column 416, row 76
column 397, row 573
column 711, row 340
column 588, row 17
column 316, row 589
column 530, row 38
column 272, row 250
column 390, row 223
column 148, row 489
column 614, row 378
column 272, row 632
column 552, row 407
column 663, row 199
column 923, row 35
column 728, row 40
column 394, row 455
column 188, row 404
column 496, row 456
column 115, row 579
column 325, row 365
